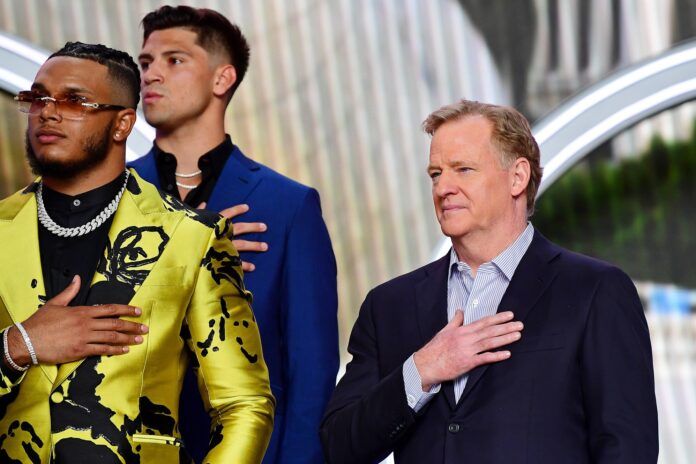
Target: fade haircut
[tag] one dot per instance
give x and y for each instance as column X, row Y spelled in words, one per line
column 215, row 33
column 122, row 70
column 511, row 136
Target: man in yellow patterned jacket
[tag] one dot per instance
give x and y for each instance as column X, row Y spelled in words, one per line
column 108, row 288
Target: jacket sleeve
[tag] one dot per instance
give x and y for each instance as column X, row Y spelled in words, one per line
column 232, row 375
column 368, row 413
column 617, row 379
column 310, row 329
column 9, row 378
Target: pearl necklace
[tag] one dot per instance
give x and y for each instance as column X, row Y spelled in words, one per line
column 60, row 231
column 187, row 176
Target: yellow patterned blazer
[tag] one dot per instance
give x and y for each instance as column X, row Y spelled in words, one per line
column 178, row 266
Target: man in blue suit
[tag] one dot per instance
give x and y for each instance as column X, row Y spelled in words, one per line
column 192, row 62
column 441, row 373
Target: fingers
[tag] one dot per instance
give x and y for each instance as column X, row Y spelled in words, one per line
column 239, row 228
column 500, row 329
column 115, row 338
column 234, row 211
column 457, row 320
column 202, row 205
column 105, row 350
column 490, row 320
column 68, row 293
column 491, row 357
column 112, row 310
column 496, row 342
column 248, row 245
column 247, row 267
column 119, row 325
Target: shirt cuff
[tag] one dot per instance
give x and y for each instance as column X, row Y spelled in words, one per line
column 415, row 396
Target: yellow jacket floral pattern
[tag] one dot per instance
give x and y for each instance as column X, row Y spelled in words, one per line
column 180, row 268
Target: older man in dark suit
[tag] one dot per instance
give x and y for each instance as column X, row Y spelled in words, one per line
column 441, row 373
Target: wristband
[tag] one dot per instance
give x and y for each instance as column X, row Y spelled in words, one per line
column 27, row 342
column 8, row 358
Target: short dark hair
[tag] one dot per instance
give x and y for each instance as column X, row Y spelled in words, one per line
column 511, row 135
column 122, row 69
column 215, row 33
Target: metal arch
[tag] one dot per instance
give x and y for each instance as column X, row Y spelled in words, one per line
column 605, row 109
column 19, row 63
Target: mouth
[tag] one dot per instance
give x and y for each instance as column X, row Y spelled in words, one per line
column 151, row 97
column 46, row 135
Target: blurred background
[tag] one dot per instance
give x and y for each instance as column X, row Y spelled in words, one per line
column 337, row 90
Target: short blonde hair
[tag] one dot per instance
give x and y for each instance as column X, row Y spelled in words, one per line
column 511, row 135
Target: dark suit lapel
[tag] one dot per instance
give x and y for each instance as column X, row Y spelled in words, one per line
column 431, row 308
column 236, row 182
column 531, row 279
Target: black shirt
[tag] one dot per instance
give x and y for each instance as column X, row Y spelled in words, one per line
column 210, row 164
column 63, row 257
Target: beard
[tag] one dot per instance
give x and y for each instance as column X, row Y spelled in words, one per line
column 94, row 151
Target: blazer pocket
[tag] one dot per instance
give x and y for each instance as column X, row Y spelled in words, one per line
column 165, row 277
column 156, row 439
column 538, row 343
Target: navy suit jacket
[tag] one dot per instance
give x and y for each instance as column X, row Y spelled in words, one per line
column 578, row 387
column 295, row 305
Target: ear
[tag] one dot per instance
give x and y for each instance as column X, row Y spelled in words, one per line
column 520, row 172
column 225, row 77
column 125, row 120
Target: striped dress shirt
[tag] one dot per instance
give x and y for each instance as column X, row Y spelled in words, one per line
column 478, row 297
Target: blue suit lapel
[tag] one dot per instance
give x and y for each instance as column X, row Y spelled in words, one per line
column 236, row 182
column 532, row 277
column 147, row 168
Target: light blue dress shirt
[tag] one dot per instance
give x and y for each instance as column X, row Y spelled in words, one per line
column 478, row 297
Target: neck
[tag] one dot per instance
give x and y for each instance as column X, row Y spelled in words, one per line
column 189, row 142
column 482, row 247
column 84, row 182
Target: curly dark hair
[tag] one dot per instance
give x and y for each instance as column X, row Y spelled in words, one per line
column 122, row 69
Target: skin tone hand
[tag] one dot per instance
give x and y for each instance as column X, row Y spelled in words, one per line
column 457, row 348
column 239, row 228
column 62, row 333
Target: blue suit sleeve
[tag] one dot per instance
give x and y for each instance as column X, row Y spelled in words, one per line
column 617, row 382
column 310, row 305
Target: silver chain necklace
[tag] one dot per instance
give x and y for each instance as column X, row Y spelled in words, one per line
column 54, row 228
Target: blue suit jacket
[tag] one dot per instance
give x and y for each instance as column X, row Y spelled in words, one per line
column 295, row 304
column 578, row 387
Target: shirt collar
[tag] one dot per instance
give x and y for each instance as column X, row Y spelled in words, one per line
column 212, row 161
column 507, row 261
column 95, row 198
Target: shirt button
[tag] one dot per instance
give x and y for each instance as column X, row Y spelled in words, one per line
column 453, row 428
column 57, row 397
column 76, row 202
column 170, row 186
column 475, row 302
column 411, row 400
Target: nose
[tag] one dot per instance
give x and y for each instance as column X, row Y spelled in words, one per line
column 52, row 113
column 152, row 73
column 444, row 185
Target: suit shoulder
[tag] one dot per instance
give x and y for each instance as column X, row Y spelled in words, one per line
column 582, row 266
column 286, row 185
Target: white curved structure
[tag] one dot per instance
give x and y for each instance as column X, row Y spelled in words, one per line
column 20, row 60
column 607, row 108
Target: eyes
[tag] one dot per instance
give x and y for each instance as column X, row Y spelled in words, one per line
column 170, row 60
column 434, row 174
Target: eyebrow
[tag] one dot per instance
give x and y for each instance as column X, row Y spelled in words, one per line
column 148, row 56
column 67, row 89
